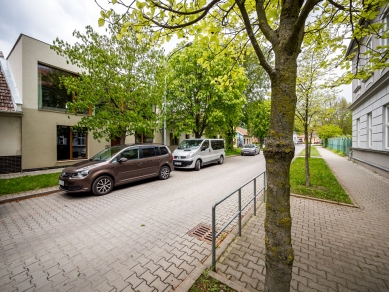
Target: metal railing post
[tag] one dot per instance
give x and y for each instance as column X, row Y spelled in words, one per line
column 264, row 187
column 240, row 212
column 213, row 238
column 255, row 196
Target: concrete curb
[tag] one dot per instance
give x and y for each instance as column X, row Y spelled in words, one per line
column 227, row 282
column 325, row 201
column 23, row 196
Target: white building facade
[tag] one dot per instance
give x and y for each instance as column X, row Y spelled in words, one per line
column 370, row 108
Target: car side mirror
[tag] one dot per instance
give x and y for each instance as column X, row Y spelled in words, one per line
column 123, row 159
column 203, row 148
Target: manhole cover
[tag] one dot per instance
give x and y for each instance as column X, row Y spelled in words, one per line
column 204, row 232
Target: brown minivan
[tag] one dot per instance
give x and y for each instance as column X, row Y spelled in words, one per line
column 115, row 166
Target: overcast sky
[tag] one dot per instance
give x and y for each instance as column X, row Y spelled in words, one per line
column 45, row 20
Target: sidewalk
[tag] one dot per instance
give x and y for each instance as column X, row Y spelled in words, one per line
column 337, row 248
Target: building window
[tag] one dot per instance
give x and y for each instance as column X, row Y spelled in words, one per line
column 369, row 130
column 387, row 126
column 51, row 95
column 174, row 140
column 71, row 144
column 141, row 138
column 358, row 130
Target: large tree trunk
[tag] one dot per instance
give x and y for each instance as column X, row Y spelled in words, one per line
column 279, row 153
column 230, row 134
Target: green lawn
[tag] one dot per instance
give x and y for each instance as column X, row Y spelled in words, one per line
column 235, row 151
column 324, row 184
column 314, row 152
column 28, row 183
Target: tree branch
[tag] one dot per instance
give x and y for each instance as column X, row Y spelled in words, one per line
column 205, row 9
column 267, row 31
column 298, row 30
column 253, row 40
column 337, row 5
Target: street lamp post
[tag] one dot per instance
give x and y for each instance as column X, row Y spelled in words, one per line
column 165, row 90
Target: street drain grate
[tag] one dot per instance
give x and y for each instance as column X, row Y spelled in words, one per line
column 204, row 232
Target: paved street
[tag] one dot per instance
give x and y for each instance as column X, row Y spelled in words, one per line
column 133, row 239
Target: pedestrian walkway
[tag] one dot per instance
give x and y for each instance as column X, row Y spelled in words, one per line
column 337, row 248
column 29, row 173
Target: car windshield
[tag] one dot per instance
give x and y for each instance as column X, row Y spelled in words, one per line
column 249, row 146
column 107, row 154
column 190, row 144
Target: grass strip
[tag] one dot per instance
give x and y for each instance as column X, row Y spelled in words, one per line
column 206, row 283
column 314, row 152
column 324, row 184
column 234, row 151
column 28, row 183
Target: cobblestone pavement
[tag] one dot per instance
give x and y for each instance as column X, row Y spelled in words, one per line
column 337, row 248
column 133, row 239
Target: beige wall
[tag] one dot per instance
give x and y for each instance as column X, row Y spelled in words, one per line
column 39, row 127
column 40, row 138
column 10, row 135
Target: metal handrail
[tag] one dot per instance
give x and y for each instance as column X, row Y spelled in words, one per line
column 238, row 213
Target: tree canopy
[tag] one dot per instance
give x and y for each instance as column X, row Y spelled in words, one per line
column 119, row 85
column 201, row 98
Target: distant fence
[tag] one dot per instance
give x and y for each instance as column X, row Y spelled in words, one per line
column 341, row 144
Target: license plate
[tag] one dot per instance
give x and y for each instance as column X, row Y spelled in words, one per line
column 246, row 152
column 61, row 182
column 177, row 163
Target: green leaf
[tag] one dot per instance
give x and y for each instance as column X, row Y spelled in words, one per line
column 140, row 5
column 101, row 21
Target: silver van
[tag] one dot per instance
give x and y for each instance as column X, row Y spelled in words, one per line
column 194, row 153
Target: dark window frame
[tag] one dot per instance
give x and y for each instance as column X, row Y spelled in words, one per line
column 50, row 95
column 174, row 140
column 66, row 143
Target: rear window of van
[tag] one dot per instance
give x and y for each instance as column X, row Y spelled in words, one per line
column 217, row 144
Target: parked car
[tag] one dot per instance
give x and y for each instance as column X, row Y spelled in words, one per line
column 250, row 149
column 115, row 166
column 195, row 153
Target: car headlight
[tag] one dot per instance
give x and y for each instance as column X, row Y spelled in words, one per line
column 80, row 174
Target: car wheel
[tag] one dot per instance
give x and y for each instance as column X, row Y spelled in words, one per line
column 198, row 165
column 102, row 185
column 164, row 172
column 221, row 159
